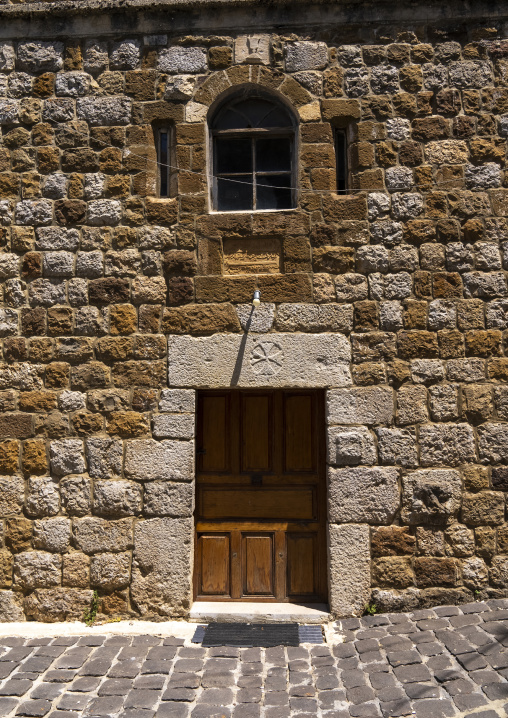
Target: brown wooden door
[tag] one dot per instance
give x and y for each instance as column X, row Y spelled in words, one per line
column 260, row 496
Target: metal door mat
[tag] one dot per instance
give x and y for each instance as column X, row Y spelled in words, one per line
column 306, row 634
column 251, row 635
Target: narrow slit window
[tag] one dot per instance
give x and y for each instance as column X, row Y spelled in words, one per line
column 165, row 161
column 253, row 156
column 341, row 160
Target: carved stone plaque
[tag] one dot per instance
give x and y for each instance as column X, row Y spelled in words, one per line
column 253, row 49
column 252, row 256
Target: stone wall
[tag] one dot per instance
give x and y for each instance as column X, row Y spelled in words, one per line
column 97, row 451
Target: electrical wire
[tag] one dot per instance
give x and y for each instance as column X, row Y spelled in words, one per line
column 126, row 152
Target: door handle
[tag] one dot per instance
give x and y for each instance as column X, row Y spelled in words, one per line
column 200, row 451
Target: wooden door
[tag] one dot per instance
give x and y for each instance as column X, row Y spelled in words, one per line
column 260, row 496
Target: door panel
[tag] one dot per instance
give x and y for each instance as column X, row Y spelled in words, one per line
column 213, row 454
column 301, row 555
column 298, row 433
column 261, row 496
column 213, row 553
column 257, row 433
column 249, row 503
column 258, row 564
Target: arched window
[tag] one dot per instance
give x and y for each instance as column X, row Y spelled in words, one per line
column 253, row 146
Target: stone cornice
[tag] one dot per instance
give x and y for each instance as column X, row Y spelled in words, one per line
column 56, row 19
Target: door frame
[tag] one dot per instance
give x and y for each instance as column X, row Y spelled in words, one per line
column 279, row 528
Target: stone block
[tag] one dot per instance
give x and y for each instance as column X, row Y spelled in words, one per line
column 314, row 318
column 446, row 444
column 54, row 238
column 459, row 541
column 72, row 84
column 367, row 495
column 493, row 443
column 499, row 571
column 475, row 573
column 161, row 576
column 110, row 571
column 76, row 496
column 444, row 402
column 66, row 457
column 392, row 572
column 37, row 569
column 483, row 508
column 365, row 405
column 104, row 457
column 306, row 56
column 178, row 400
column 117, row 498
column 12, row 495
column 436, row 572
column 57, row 604
column 351, row 288
column 397, row 447
column 466, row 370
column 94, row 535
column 9, row 265
column 173, row 426
column 104, row 212
column 349, row 446
column 96, row 56
column 178, row 60
column 42, row 498
column 163, row 498
column 58, row 264
column 349, row 569
column 11, row 607
column 473, row 73
column 52, row 534
column 392, row 541
column 431, row 496
column 284, row 360
column 34, row 212
column 256, row 319
column 76, row 570
column 149, row 460
column 6, row 563
column 252, row 49
column 125, row 55
column 18, row 426
column 40, row 56
column 7, row 56
column 104, row 111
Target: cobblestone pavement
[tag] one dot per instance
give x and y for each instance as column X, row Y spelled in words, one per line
column 448, row 661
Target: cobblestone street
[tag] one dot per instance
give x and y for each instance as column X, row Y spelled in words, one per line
column 448, row 661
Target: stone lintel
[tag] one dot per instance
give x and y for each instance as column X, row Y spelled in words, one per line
column 269, row 360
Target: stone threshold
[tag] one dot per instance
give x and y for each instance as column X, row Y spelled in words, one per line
column 35, row 629
column 258, row 612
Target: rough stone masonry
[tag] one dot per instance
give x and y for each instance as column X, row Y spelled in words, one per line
column 405, row 276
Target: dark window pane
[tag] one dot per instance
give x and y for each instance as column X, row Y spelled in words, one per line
column 273, row 192
column 273, row 155
column 235, row 193
column 341, row 160
column 163, row 162
column 254, row 111
column 233, row 156
column 277, row 118
column 230, row 120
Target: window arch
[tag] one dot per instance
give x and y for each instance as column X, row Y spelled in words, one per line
column 253, row 155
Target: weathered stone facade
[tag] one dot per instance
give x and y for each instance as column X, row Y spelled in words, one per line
column 393, row 297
